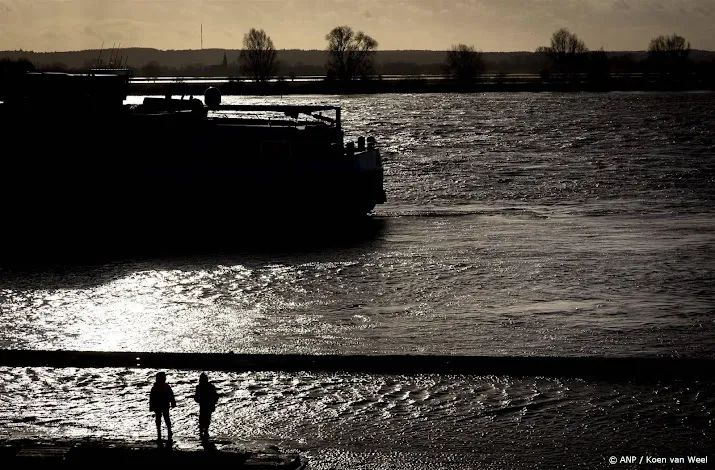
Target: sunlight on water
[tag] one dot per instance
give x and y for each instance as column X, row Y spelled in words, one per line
column 464, row 283
column 331, row 416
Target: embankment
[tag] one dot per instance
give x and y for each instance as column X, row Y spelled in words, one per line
column 611, row 368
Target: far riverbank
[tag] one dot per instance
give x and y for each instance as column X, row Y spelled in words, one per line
column 416, row 86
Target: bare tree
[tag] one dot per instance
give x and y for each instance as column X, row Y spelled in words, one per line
column 672, row 45
column 463, row 63
column 350, row 54
column 258, row 57
column 669, row 54
column 567, row 52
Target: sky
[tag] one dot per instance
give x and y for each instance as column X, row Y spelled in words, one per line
column 488, row 25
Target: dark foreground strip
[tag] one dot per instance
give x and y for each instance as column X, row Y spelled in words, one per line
column 83, row 453
column 635, row 368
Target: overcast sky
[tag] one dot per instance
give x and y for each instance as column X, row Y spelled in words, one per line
column 489, row 25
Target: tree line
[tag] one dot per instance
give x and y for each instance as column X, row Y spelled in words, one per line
column 567, row 58
column 350, row 55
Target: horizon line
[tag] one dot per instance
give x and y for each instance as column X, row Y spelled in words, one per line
column 316, row 50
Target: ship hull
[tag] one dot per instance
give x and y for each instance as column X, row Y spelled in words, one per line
column 126, row 185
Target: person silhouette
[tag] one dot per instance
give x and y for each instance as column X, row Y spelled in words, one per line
column 161, row 398
column 207, row 397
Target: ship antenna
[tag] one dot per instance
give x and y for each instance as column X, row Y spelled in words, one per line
column 99, row 58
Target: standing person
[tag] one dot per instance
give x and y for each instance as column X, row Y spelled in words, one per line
column 206, row 396
column 160, row 398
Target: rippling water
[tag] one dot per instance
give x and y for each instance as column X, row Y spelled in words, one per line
column 516, row 224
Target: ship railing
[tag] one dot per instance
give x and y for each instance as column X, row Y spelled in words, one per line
column 109, row 71
column 292, row 111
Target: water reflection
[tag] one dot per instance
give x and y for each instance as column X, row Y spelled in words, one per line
column 329, row 415
column 507, row 284
column 234, row 297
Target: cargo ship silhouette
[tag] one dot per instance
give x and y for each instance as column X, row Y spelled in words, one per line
column 81, row 167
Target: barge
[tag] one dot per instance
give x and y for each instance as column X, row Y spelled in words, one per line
column 80, row 166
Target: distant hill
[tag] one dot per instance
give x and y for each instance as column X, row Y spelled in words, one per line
column 138, row 57
column 300, row 61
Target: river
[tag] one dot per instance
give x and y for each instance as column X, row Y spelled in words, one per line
column 516, row 224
